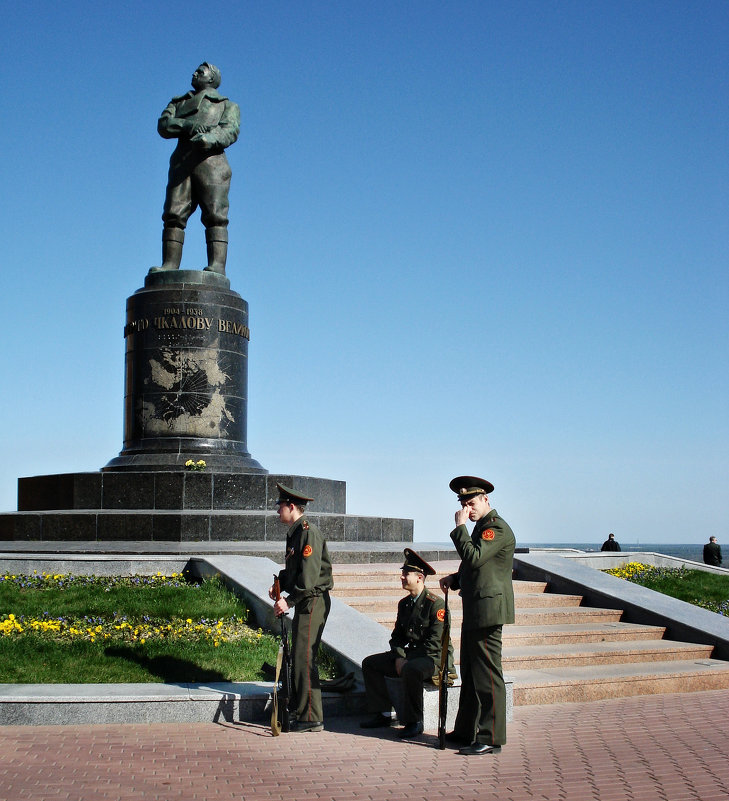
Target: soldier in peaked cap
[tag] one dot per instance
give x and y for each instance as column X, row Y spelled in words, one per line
column 484, row 581
column 415, row 649
column 307, row 579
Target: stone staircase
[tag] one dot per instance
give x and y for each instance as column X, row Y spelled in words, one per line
column 557, row 650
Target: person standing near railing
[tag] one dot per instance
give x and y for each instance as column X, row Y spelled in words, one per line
column 712, row 553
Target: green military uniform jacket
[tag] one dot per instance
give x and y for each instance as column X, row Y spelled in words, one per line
column 308, row 570
column 419, row 627
column 484, row 575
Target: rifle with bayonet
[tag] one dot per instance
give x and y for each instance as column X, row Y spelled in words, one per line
column 443, row 676
column 280, row 720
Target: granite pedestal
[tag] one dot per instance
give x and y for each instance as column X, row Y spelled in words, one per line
column 186, row 375
column 185, row 398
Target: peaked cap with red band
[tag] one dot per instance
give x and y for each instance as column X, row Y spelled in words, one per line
column 468, row 486
column 288, row 495
column 414, row 561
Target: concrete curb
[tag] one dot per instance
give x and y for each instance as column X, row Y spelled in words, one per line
column 65, row 704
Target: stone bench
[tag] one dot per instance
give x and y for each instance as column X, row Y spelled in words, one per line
column 430, row 702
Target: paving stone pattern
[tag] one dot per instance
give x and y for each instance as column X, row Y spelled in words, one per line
column 661, row 747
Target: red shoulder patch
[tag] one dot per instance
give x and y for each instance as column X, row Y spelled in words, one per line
column 307, row 550
column 440, row 614
column 488, row 534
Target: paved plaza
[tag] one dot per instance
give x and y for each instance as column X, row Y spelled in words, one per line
column 662, row 747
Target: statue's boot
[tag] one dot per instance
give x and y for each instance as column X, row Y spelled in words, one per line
column 217, row 242
column 172, row 241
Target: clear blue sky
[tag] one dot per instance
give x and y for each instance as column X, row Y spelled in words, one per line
column 475, row 237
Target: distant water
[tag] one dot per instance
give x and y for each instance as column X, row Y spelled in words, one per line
column 692, row 551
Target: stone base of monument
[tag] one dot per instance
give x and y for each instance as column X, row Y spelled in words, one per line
column 185, row 400
column 186, row 375
column 182, row 507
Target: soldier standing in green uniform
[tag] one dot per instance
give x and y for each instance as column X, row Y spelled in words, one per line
column 415, row 651
column 307, row 579
column 484, row 581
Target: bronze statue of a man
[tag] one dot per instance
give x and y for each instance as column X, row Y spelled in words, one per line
column 204, row 122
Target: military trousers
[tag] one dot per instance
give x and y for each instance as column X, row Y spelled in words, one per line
column 310, row 616
column 482, row 706
column 416, row 670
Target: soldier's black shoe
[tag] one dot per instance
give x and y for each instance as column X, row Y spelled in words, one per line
column 375, row 722
column 456, row 739
column 411, row 731
column 477, row 749
column 307, row 725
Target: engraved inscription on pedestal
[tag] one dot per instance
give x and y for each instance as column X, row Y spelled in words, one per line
column 186, row 377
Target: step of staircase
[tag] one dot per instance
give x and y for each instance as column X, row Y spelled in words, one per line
column 538, row 657
column 556, row 634
column 387, row 602
column 372, row 585
column 551, row 636
column 530, row 616
column 557, row 650
column 596, row 682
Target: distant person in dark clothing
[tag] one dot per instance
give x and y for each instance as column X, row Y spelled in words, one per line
column 610, row 544
column 712, row 552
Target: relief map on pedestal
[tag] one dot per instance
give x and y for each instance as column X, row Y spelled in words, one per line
column 183, row 394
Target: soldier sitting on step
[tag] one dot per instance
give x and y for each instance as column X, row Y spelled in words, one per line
column 414, row 655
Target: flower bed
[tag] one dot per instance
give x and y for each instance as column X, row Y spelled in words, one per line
column 194, row 629
column 693, row 586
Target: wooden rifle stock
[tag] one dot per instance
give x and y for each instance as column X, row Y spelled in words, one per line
column 280, row 720
column 443, row 677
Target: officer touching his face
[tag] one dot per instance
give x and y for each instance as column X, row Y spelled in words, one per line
column 484, row 581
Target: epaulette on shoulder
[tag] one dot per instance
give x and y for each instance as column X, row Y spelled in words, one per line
column 305, row 526
column 430, row 596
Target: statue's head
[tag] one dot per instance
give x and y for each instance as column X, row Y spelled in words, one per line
column 206, row 75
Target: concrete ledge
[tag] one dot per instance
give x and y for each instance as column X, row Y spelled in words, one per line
column 90, row 564
column 138, row 556
column 431, row 702
column 65, row 704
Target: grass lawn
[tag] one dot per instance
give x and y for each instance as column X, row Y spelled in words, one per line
column 698, row 587
column 66, row 629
